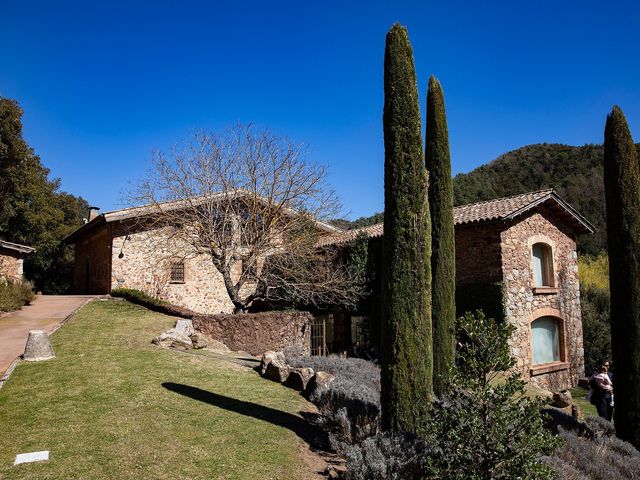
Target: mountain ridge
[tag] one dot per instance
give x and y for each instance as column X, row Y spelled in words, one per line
column 575, row 172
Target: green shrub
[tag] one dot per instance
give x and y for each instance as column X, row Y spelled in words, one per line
column 485, row 427
column 152, row 303
column 137, row 296
column 14, row 294
column 595, row 306
column 594, row 271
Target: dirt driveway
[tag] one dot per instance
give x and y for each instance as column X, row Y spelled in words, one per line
column 45, row 313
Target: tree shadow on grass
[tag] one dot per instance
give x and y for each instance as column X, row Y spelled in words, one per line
column 308, row 431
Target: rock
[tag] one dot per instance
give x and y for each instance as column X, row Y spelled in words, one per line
column 218, row 346
column 184, row 327
column 277, row 370
column 299, row 378
column 38, row 347
column 562, row 399
column 331, row 473
column 575, row 412
column 268, row 357
column 198, row 340
column 174, row 339
column 320, row 381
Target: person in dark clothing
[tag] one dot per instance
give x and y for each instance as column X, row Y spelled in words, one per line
column 602, row 391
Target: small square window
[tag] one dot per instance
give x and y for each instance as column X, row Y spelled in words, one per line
column 177, row 272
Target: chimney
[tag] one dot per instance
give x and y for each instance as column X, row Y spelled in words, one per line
column 93, row 213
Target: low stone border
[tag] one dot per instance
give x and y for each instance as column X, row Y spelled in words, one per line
column 274, row 367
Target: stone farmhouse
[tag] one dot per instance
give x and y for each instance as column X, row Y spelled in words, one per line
column 118, row 250
column 515, row 258
column 12, row 257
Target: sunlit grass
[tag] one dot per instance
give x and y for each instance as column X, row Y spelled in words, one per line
column 100, row 408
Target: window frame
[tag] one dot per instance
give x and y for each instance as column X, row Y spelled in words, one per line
column 546, row 264
column 549, row 263
column 556, row 365
column 172, row 268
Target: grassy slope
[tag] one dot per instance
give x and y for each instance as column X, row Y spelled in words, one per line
column 588, row 410
column 101, row 410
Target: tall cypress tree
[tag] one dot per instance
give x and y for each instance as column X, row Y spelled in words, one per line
column 443, row 255
column 622, row 195
column 407, row 362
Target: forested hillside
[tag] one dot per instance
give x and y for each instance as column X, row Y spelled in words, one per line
column 575, row 173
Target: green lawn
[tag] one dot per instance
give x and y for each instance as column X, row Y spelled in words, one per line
column 102, row 411
column 578, row 394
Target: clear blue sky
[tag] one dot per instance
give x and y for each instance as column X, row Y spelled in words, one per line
column 104, row 85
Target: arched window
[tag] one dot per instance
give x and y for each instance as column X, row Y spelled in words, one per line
column 542, row 265
column 545, row 340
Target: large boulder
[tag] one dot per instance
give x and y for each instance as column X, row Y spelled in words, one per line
column 268, row 357
column 174, row 339
column 562, row 399
column 38, row 347
column 185, row 327
column 277, row 370
column 199, row 340
column 320, row 381
column 299, row 378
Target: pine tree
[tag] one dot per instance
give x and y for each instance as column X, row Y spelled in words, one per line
column 443, row 254
column 407, row 362
column 622, row 195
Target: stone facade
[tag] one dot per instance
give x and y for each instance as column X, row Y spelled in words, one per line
column 478, row 249
column 524, row 302
column 126, row 255
column 12, row 257
column 145, row 264
column 10, row 266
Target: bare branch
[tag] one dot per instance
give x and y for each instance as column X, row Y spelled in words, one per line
column 255, row 205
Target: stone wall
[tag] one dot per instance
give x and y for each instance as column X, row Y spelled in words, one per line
column 257, row 333
column 524, row 303
column 9, row 266
column 91, row 267
column 478, row 252
column 146, row 265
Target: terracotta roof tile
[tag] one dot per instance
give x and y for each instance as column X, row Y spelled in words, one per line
column 480, row 212
column 497, row 209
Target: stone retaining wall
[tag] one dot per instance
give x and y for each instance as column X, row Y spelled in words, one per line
column 257, row 333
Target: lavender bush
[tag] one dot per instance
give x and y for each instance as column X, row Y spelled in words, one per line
column 591, row 450
column 351, row 405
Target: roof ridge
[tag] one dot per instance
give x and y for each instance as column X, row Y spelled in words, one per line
column 546, row 190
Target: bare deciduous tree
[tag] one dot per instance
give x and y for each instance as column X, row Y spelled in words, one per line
column 254, row 204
